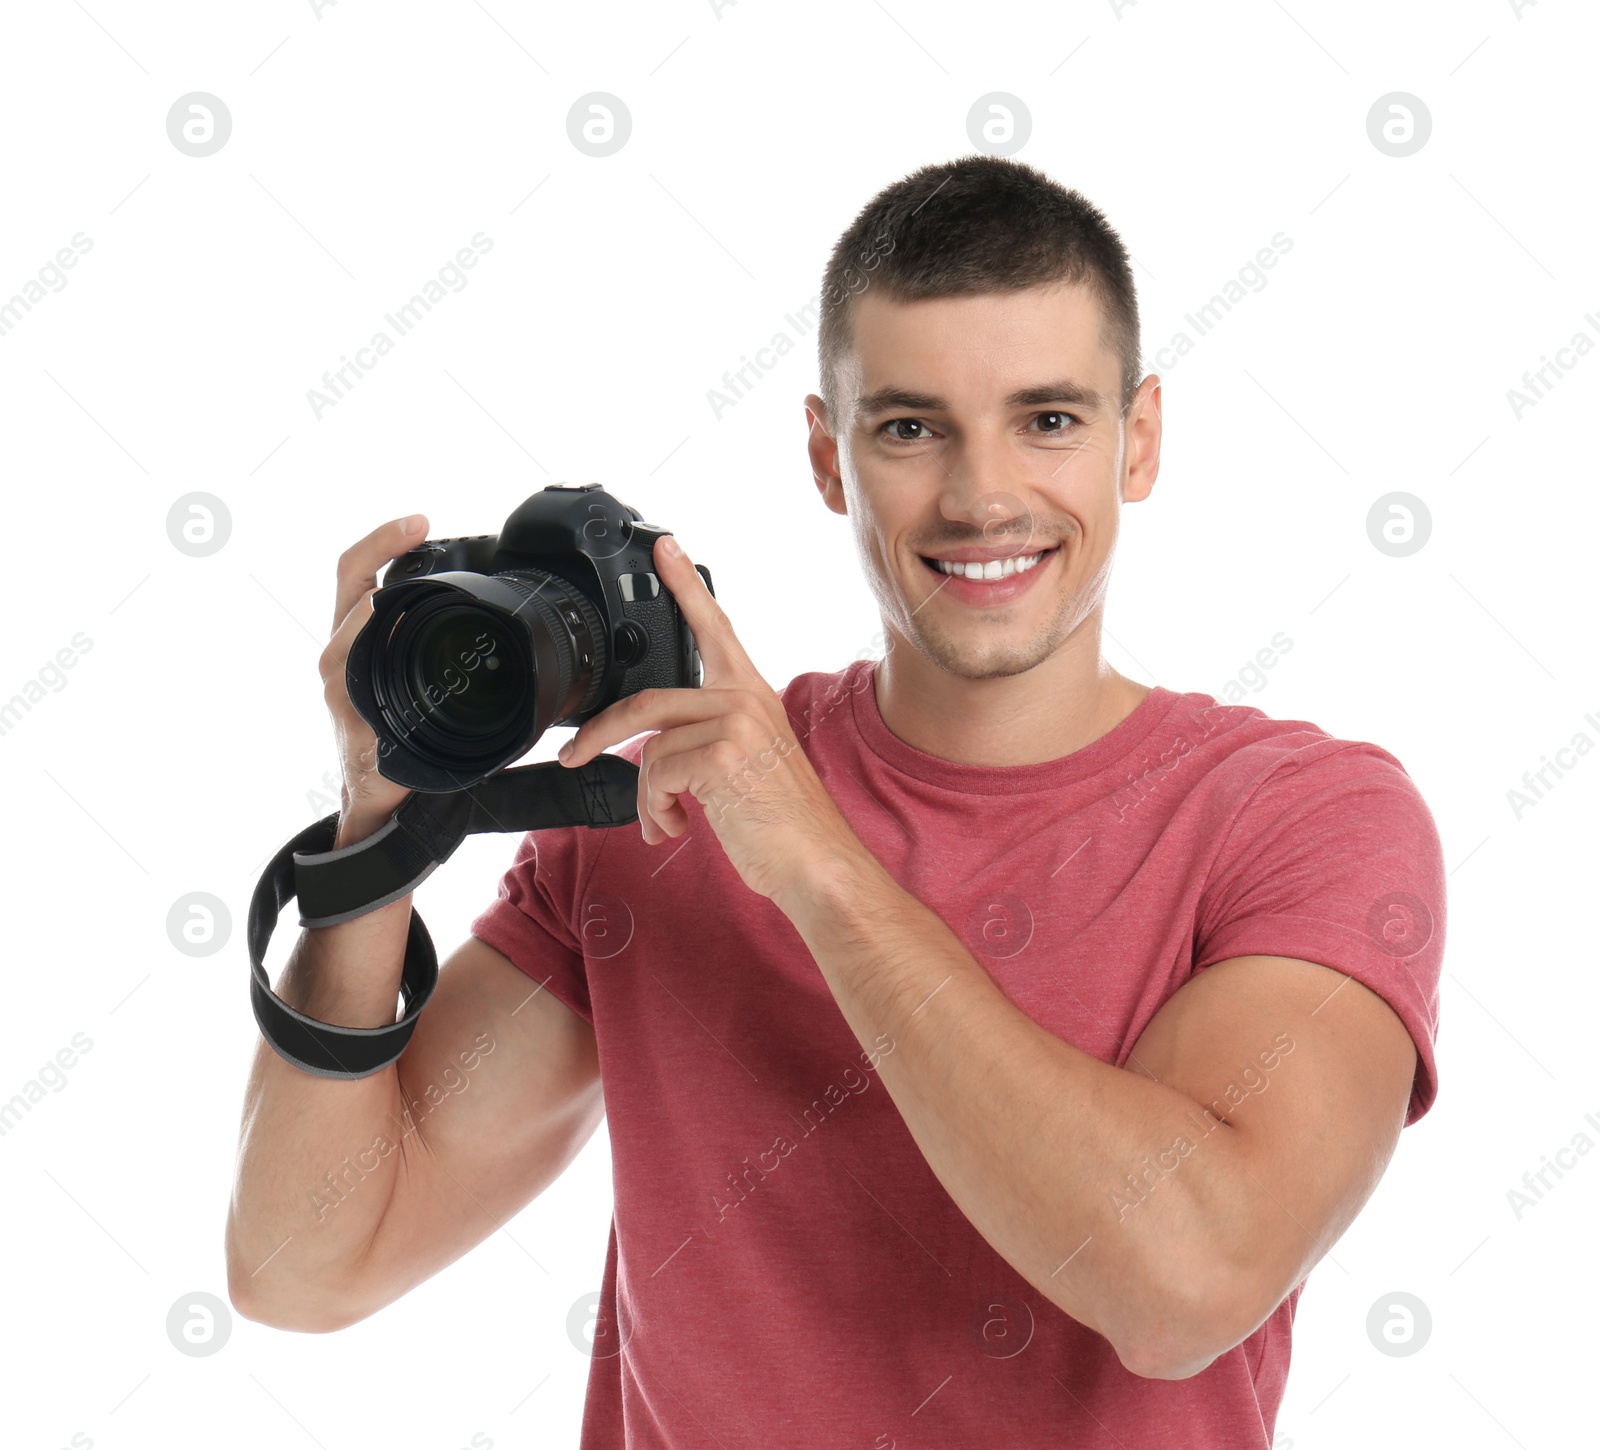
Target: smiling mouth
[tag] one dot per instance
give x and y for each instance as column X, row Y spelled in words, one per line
column 994, row 569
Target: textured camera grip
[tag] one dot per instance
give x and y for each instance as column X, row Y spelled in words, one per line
column 661, row 668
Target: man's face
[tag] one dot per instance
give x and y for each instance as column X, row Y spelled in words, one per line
column 987, row 428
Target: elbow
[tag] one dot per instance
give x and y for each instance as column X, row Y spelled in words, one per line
column 300, row 1317
column 301, row 1311
column 277, row 1314
column 1186, row 1332
column 1154, row 1360
column 244, row 1297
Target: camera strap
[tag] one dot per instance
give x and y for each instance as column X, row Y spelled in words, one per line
column 333, row 886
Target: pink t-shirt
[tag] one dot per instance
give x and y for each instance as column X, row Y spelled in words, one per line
column 784, row 1270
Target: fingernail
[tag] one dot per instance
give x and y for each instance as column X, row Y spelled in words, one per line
column 565, row 752
column 671, row 546
column 412, row 525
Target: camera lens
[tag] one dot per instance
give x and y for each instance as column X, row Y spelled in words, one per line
column 462, row 674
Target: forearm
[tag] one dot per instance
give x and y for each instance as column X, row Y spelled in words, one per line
column 1034, row 1139
column 313, row 1177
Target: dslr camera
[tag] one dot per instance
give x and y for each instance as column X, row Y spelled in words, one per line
column 478, row 645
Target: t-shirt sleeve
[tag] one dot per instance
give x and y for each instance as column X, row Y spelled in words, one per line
column 1335, row 859
column 532, row 919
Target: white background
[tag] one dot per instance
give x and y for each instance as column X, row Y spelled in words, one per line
column 368, row 145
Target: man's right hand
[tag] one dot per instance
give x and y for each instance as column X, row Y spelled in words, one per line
column 368, row 799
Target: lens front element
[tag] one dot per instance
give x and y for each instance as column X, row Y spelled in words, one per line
column 462, row 675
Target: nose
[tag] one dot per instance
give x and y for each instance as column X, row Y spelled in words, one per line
column 976, row 491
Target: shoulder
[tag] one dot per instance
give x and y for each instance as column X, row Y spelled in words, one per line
column 1252, row 753
column 1270, row 792
column 811, row 697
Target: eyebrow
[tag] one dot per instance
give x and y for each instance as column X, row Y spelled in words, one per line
column 1064, row 390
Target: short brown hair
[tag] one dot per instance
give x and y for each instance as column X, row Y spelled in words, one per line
column 976, row 224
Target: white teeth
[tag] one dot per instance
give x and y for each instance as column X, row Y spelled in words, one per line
column 994, row 569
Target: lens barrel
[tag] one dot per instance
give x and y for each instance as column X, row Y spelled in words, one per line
column 460, row 673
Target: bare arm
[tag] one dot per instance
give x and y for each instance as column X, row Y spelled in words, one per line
column 1161, row 1205
column 348, row 1193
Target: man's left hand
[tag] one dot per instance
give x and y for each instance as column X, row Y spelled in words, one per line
column 728, row 744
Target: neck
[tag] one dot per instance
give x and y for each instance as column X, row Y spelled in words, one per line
column 1061, row 705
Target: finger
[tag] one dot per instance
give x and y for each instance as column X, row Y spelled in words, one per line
column 333, row 657
column 663, row 760
column 359, row 564
column 720, row 650
column 653, row 709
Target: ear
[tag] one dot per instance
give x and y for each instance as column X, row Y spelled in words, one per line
column 823, row 449
column 1142, row 461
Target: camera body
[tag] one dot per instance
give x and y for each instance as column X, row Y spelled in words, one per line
column 478, row 645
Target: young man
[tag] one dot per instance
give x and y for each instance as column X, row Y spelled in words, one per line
column 990, row 1044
